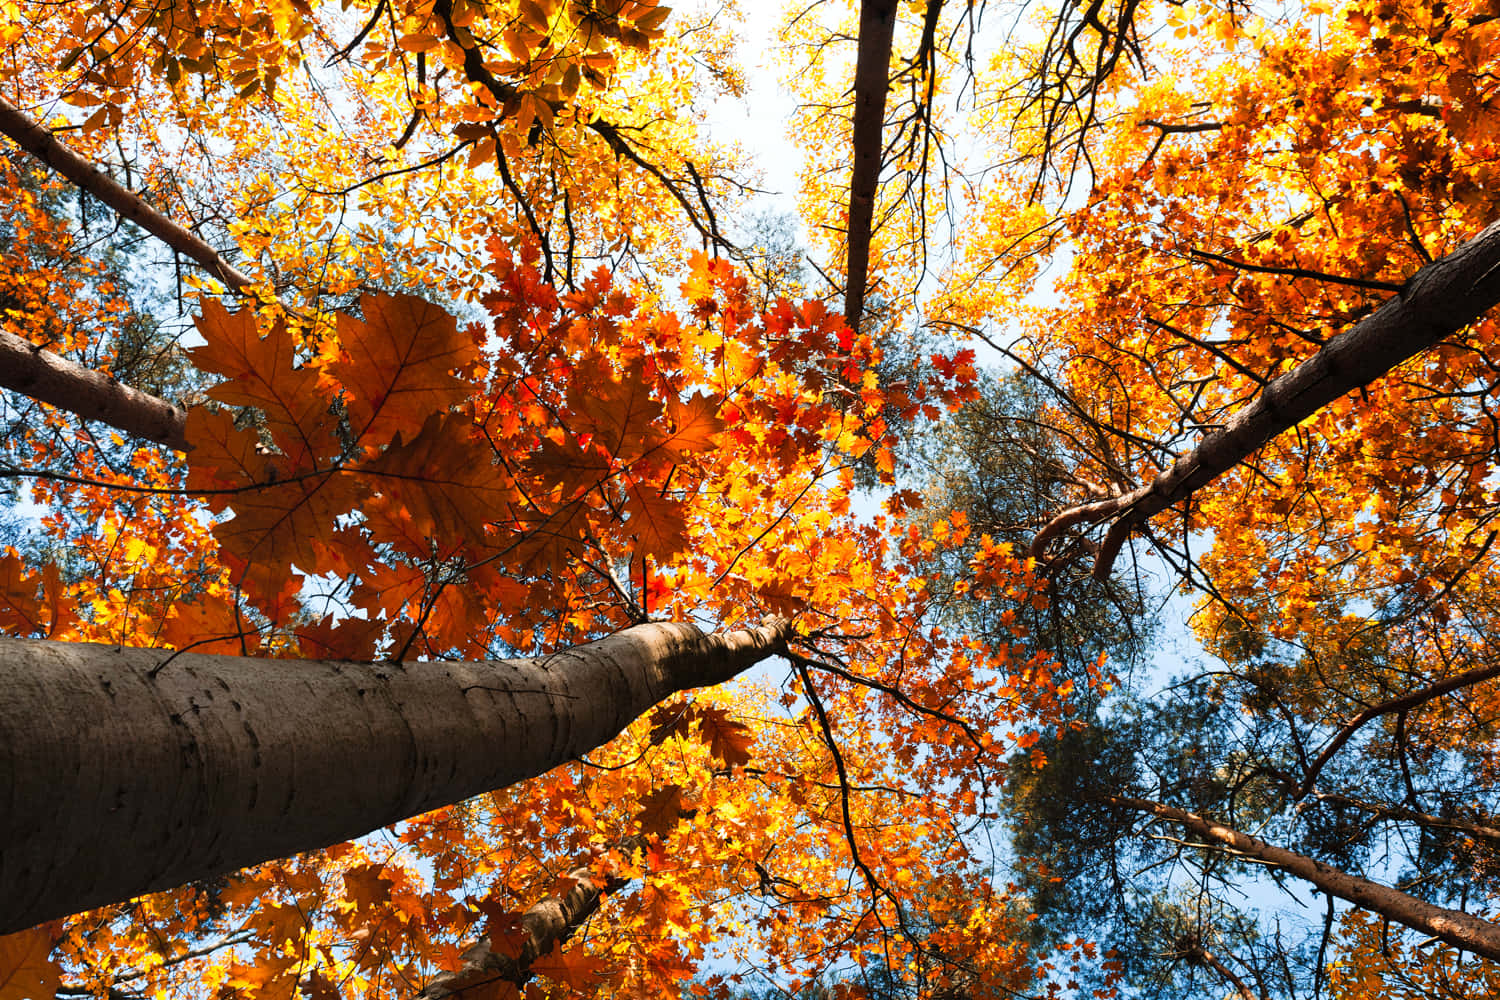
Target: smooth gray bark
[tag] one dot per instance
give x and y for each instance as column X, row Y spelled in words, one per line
column 36, row 372
column 1462, row 930
column 1438, row 301
column 124, row 771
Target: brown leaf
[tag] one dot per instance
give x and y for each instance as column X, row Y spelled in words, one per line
column 661, row 810
column 397, row 366
column 27, row 971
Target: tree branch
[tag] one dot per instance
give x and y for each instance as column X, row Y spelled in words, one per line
column 877, row 23
column 36, row 372
column 1463, row 931
column 39, row 141
column 1438, row 301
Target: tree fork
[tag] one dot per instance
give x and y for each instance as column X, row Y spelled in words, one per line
column 126, row 771
column 1463, row 931
column 1436, row 302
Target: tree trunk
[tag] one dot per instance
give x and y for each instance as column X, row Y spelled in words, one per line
column 545, row 926
column 40, row 374
column 124, row 771
column 1459, row 929
column 872, row 69
column 1438, row 301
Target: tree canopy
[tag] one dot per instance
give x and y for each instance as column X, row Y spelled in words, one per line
column 454, row 551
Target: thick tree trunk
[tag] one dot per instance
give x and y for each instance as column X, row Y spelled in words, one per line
column 124, row 771
column 1462, row 930
column 1438, row 301
column 872, row 68
column 40, row 374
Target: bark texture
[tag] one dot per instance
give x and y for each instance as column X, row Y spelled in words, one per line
column 1438, row 301
column 124, row 771
column 1455, row 927
column 93, row 395
column 39, row 141
column 877, row 24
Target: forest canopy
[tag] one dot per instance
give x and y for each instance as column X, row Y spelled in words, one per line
column 465, row 536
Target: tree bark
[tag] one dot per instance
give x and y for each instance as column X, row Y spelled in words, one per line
column 39, row 141
column 36, row 372
column 877, row 25
column 1455, row 927
column 546, row 925
column 1438, row 301
column 124, row 771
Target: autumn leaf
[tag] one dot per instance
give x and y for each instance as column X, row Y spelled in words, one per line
column 695, row 427
column 444, row 480
column 27, row 971
column 20, row 608
column 397, row 366
column 568, row 966
column 661, row 810
column 727, row 740
column 620, row 415
column 262, row 372
column 367, row 887
column 209, row 623
column 657, row 522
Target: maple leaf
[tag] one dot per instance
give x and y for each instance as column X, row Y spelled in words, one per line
column 346, row 639
column 20, row 608
column 366, row 886
column 671, row 720
column 580, row 972
column 621, row 414
column 657, row 522
column 261, row 372
column 444, row 480
column 661, row 810
column 696, row 425
column 208, row 624
column 727, row 740
column 27, row 971
column 397, row 365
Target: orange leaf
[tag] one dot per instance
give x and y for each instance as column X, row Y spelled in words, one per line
column 366, row 887
column 20, row 609
column 262, row 372
column 580, row 972
column 727, row 740
column 447, row 482
column 397, row 365
column 661, row 810
column 657, row 522
column 26, row 970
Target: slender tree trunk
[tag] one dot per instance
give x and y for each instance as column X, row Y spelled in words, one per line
column 124, row 771
column 1459, row 929
column 544, row 926
column 40, row 374
column 872, row 68
column 39, row 141
column 1438, row 301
